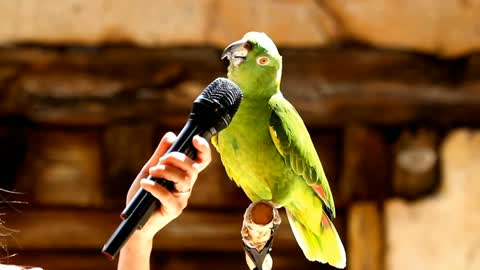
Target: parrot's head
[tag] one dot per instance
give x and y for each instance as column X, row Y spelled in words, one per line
column 255, row 60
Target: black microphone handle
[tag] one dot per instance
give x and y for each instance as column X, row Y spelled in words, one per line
column 142, row 206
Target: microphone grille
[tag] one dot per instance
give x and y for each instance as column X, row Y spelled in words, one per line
column 226, row 93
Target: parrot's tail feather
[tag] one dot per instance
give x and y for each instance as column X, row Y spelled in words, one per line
column 305, row 239
column 324, row 245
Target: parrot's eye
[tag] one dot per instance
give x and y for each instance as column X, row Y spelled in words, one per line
column 262, row 60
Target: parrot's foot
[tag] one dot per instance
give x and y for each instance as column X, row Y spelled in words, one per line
column 260, row 222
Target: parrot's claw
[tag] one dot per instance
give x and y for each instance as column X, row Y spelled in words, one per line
column 258, row 257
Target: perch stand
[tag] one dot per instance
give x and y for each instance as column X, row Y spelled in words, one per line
column 260, row 221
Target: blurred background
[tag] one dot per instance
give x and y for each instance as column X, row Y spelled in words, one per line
column 390, row 91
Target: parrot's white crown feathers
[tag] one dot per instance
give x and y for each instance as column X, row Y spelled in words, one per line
column 265, row 41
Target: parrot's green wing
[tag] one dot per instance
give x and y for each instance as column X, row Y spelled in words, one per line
column 293, row 142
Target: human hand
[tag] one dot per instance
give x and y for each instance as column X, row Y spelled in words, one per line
column 176, row 167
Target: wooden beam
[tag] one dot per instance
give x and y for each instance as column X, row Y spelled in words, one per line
column 332, row 105
column 71, row 229
column 366, row 165
column 390, row 103
column 365, row 237
column 95, row 86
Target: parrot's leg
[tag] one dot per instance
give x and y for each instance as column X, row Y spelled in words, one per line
column 260, row 223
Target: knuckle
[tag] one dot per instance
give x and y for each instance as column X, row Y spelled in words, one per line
column 178, row 155
column 187, row 178
column 173, row 157
column 156, row 170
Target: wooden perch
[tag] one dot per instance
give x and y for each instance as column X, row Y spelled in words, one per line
column 260, row 221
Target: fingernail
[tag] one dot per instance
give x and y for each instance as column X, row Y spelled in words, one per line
column 152, row 170
column 171, row 136
column 202, row 140
column 147, row 182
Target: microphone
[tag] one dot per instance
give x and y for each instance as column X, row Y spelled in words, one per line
column 212, row 111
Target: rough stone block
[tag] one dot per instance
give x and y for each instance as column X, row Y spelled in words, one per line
column 288, row 23
column 145, row 22
column 441, row 232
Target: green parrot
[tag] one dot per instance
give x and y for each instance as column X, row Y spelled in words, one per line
column 268, row 152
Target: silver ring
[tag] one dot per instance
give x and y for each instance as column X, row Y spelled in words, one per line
column 185, row 192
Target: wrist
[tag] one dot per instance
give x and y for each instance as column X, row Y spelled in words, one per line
column 152, row 227
column 135, row 254
column 138, row 244
column 140, row 237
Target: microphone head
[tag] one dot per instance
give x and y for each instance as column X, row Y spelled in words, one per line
column 218, row 103
column 224, row 92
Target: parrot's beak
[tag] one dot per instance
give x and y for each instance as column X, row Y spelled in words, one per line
column 237, row 52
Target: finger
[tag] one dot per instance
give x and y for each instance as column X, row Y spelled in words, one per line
column 182, row 180
column 180, row 161
column 167, row 140
column 204, row 155
column 171, row 204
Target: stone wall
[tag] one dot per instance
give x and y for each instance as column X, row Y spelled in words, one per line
column 441, row 231
column 87, row 88
column 447, row 28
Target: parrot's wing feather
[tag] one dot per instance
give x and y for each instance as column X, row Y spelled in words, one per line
column 293, row 142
